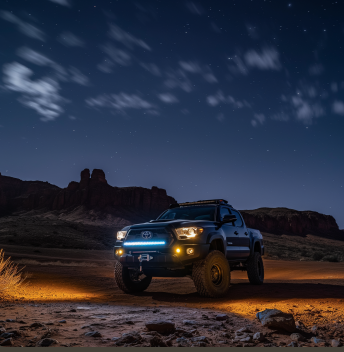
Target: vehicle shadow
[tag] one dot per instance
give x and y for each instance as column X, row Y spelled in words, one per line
column 268, row 292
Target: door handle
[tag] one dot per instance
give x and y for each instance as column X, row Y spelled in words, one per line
column 246, row 233
column 236, row 232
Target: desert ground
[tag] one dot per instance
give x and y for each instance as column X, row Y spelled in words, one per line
column 70, row 292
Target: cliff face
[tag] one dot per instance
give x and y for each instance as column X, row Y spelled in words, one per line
column 284, row 220
column 92, row 191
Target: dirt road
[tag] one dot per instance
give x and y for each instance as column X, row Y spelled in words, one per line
column 312, row 291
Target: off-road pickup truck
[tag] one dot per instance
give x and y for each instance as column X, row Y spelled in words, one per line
column 204, row 240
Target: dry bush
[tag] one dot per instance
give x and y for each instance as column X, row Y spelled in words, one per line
column 10, row 277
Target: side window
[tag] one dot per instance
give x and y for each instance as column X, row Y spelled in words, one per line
column 223, row 212
column 239, row 221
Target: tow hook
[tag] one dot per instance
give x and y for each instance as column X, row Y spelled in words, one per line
column 144, row 258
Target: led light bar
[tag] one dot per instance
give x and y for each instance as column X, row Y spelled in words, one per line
column 144, row 243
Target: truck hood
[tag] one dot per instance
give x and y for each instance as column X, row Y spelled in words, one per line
column 170, row 223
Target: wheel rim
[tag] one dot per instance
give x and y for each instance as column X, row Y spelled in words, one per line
column 134, row 277
column 216, row 274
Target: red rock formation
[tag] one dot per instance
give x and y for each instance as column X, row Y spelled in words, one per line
column 92, row 192
column 284, row 220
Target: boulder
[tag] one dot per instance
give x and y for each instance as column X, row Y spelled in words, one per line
column 276, row 319
column 93, row 334
column 335, row 343
column 316, row 340
column 259, row 336
column 297, row 337
column 221, row 317
column 161, row 326
column 7, row 342
column 46, row 342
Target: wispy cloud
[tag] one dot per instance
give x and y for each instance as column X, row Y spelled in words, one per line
column 118, row 56
column 69, row 39
column 195, row 8
column 178, row 79
column 40, row 95
column 126, row 38
column 151, row 68
column 338, row 107
column 121, row 102
column 61, row 2
column 220, row 98
column 258, row 118
column 78, row 77
column 267, row 59
column 306, row 111
column 34, row 57
column 316, row 69
column 168, row 98
column 24, row 27
column 196, row 68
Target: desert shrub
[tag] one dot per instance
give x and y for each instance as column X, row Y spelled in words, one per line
column 10, row 277
column 331, row 258
column 317, row 256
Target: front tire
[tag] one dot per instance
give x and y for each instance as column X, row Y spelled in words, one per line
column 212, row 275
column 255, row 269
column 126, row 281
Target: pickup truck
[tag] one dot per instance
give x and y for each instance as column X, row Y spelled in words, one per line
column 203, row 240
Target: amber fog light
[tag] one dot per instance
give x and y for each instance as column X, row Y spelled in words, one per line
column 119, row 251
column 178, row 250
column 190, row 251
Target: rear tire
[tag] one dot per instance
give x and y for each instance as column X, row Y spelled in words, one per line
column 255, row 269
column 126, row 281
column 212, row 275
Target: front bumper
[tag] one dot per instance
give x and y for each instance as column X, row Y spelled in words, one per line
column 169, row 259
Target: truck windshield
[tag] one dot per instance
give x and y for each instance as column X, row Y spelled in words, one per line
column 190, row 213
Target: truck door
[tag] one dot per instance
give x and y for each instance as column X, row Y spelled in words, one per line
column 232, row 237
column 243, row 238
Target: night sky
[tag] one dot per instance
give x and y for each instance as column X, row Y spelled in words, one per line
column 242, row 100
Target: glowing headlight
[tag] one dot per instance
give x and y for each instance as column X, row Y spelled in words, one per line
column 188, row 232
column 121, row 235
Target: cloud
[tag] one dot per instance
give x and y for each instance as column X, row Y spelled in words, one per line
column 218, row 98
column 41, row 95
column 260, row 118
column 70, row 39
column 194, row 67
column 61, row 2
column 267, row 59
column 195, row 8
column 78, row 77
column 178, row 79
column 280, row 116
column 117, row 56
column 151, row 68
column 126, row 39
column 34, row 57
column 24, row 27
column 121, row 102
column 106, row 66
column 306, row 111
column 168, row 98
column 316, row 70
column 338, row 107
column 238, row 66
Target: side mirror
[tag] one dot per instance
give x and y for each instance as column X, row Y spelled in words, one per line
column 229, row 218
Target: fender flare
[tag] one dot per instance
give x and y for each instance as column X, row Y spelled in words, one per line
column 215, row 236
column 254, row 241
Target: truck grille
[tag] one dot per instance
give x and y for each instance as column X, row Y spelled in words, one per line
column 160, row 238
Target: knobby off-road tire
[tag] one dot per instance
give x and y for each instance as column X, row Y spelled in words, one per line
column 255, row 269
column 125, row 281
column 212, row 275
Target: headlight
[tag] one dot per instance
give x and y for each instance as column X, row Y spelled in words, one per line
column 121, row 235
column 188, row 232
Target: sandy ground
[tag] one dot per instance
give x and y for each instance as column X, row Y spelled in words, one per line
column 61, row 282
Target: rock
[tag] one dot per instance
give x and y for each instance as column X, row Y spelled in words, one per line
column 190, row 322
column 73, row 310
column 10, row 320
column 85, row 174
column 131, row 337
column 276, row 319
column 83, row 308
column 2, row 330
column 200, row 339
column 98, row 175
column 317, row 340
column 7, row 342
column 242, row 330
column 93, row 334
column 6, row 335
column 46, row 342
column 293, row 344
column 62, row 321
column 259, row 336
column 314, row 329
column 162, row 326
column 297, row 337
column 246, row 339
column 157, row 342
column 36, row 325
column 182, row 342
column 335, row 343
column 221, row 317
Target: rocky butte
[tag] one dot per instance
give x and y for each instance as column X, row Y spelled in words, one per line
column 92, row 192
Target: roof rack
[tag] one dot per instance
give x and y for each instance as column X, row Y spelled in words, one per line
column 199, row 202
